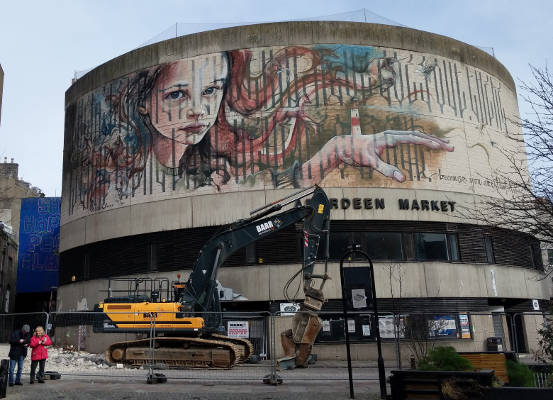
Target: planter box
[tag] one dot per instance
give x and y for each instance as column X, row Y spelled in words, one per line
column 517, row 393
column 412, row 384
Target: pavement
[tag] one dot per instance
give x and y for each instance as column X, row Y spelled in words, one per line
column 85, row 376
column 120, row 388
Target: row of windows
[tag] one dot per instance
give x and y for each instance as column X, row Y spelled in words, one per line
column 382, row 240
column 396, row 246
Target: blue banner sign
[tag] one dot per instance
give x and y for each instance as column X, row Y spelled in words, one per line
column 39, row 234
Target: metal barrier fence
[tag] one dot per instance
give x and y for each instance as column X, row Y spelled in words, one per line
column 9, row 322
column 81, row 339
column 543, row 379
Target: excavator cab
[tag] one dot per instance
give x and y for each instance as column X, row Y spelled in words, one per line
column 153, row 290
column 178, row 288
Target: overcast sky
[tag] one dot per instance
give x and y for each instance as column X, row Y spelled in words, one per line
column 43, row 43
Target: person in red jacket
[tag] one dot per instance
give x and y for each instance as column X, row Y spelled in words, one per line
column 39, row 342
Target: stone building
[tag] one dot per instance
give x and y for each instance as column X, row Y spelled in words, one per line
column 402, row 128
column 12, row 190
column 8, row 268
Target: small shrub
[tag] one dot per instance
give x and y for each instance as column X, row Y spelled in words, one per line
column 444, row 358
column 519, row 374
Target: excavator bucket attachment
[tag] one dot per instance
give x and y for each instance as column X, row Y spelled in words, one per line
column 297, row 342
column 288, row 344
column 306, row 327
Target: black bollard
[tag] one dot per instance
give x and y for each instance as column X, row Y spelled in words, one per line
column 4, row 369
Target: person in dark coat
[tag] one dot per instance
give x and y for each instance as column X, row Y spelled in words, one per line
column 19, row 342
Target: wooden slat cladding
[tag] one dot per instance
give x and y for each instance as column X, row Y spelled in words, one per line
column 178, row 249
column 497, row 362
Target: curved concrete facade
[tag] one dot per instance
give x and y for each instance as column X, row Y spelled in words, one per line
column 396, row 124
column 280, row 116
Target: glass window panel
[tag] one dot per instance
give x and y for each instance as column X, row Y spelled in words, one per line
column 453, row 247
column 431, row 246
column 383, row 245
column 408, row 246
column 339, row 241
column 250, row 254
column 489, row 249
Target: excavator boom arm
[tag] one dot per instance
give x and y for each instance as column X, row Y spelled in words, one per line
column 200, row 294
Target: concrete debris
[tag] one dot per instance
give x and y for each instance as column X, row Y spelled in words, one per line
column 67, row 360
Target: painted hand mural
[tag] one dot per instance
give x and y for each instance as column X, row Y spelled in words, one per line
column 271, row 117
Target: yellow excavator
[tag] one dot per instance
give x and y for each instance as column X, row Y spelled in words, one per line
column 188, row 314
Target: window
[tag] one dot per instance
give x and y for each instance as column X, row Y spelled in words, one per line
column 408, row 244
column 339, row 241
column 550, row 256
column 535, row 255
column 489, row 249
column 7, row 300
column 453, row 247
column 250, row 254
column 378, row 245
column 383, row 245
column 152, row 259
column 431, row 246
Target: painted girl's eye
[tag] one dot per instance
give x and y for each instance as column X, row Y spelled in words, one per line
column 176, row 95
column 209, row 91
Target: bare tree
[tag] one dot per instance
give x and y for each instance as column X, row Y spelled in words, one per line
column 395, row 274
column 524, row 186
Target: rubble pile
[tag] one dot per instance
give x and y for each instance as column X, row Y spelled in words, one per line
column 68, row 360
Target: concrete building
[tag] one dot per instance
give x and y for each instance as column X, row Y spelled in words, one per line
column 403, row 128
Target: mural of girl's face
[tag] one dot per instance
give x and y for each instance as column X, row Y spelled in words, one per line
column 186, row 98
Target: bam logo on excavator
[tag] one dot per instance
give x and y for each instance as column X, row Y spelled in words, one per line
column 264, row 227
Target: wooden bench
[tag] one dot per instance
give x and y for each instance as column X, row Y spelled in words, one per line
column 489, row 360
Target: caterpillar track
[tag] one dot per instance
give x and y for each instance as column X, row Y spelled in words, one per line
column 244, row 345
column 181, row 352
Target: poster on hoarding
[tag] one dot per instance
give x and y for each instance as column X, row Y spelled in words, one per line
column 238, row 329
column 359, row 298
column 465, row 326
column 351, row 325
column 366, row 330
column 442, row 325
column 387, row 328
